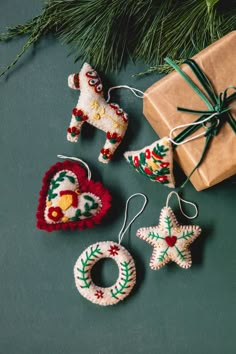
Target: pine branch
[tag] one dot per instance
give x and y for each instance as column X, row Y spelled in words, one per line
column 106, row 33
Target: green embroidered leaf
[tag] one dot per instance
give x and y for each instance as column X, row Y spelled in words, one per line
column 61, row 176
column 168, row 225
column 154, row 236
column 160, row 150
column 127, row 273
column 186, row 235
column 88, row 197
column 142, row 158
column 164, row 171
column 51, row 195
column 163, row 255
column 87, row 214
column 90, row 255
column 131, row 160
column 76, row 216
column 180, row 254
column 71, row 179
column 86, row 206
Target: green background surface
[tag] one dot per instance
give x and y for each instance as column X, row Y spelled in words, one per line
column 170, row 311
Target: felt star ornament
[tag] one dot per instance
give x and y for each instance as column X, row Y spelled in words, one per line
column 170, row 240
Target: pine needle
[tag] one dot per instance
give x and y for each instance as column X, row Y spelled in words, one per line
column 106, row 33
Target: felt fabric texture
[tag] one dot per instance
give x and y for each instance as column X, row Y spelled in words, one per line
column 68, row 200
column 170, row 240
column 93, row 109
column 126, row 279
column 154, row 161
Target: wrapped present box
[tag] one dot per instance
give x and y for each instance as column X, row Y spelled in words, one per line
column 160, row 108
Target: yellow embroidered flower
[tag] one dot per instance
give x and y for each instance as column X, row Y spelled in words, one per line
column 49, row 203
column 94, row 105
column 64, row 219
column 153, row 165
column 96, row 116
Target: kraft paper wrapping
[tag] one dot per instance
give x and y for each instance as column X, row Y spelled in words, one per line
column 162, row 99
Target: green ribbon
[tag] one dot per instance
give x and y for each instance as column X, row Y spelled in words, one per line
column 219, row 105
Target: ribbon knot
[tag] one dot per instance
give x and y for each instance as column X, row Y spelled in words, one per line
column 218, row 107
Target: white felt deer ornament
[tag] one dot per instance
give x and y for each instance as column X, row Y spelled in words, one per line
column 93, row 109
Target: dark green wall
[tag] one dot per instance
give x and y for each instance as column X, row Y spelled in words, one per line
column 170, row 311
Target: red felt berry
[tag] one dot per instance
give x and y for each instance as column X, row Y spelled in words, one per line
column 146, row 170
column 164, row 164
column 161, row 178
column 148, row 154
column 136, row 161
column 158, row 157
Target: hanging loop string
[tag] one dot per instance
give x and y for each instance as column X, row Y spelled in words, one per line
column 124, row 229
column 181, row 200
column 138, row 93
column 190, row 125
column 79, row 160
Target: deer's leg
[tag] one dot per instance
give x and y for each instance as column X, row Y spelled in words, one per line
column 108, row 149
column 74, row 130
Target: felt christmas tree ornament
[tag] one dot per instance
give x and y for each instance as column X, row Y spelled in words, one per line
column 108, row 249
column 154, row 161
column 93, row 109
column 170, row 241
column 69, row 199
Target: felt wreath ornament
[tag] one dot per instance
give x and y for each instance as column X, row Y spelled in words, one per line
column 126, row 279
column 69, row 200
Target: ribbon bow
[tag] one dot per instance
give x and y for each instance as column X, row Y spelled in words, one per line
column 218, row 106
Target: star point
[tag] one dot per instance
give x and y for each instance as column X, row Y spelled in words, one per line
column 170, row 240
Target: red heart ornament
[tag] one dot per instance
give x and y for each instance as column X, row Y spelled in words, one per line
column 68, row 200
column 171, row 240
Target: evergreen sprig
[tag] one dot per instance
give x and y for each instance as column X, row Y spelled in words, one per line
column 106, row 33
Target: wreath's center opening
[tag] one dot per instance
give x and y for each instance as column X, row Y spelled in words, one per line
column 105, row 272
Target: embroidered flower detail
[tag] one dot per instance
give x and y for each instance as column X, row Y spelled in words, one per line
column 164, row 164
column 96, row 116
column 152, row 164
column 55, row 213
column 73, row 131
column 113, row 250
column 99, row 294
column 106, row 154
column 161, row 179
column 67, row 199
column 147, row 170
column 148, row 154
column 158, row 157
column 113, row 137
column 136, row 161
column 79, row 115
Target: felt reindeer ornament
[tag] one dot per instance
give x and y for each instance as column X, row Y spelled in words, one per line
column 93, row 109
